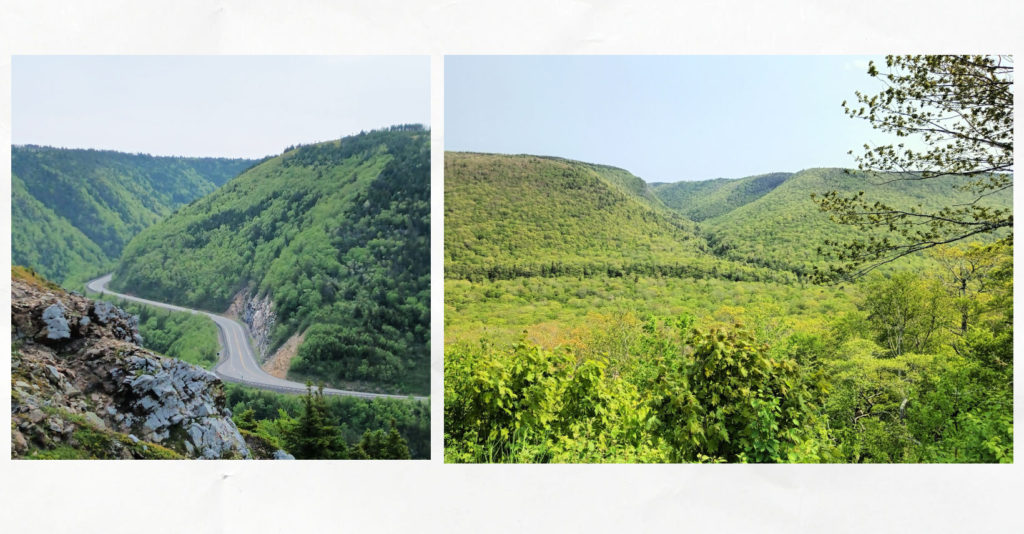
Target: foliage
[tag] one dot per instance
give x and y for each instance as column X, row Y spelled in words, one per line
column 960, row 108
column 548, row 362
column 783, row 229
column 74, row 210
column 377, row 444
column 336, row 234
column 681, row 395
column 972, row 275
column 312, row 436
column 706, row 199
column 275, row 416
column 908, row 313
column 525, row 216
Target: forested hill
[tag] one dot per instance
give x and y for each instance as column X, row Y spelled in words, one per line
column 523, row 216
column 73, row 210
column 700, row 200
column 336, row 236
column 771, row 220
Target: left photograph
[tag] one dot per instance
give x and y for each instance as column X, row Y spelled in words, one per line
column 220, row 257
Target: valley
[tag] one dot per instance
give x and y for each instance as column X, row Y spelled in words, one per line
column 592, row 317
column 326, row 244
column 73, row 210
column 237, row 364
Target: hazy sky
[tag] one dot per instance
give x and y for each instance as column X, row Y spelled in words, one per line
column 230, row 106
column 664, row 118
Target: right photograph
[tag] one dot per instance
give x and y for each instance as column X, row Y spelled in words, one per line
column 728, row 259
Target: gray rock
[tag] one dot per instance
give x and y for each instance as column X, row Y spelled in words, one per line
column 56, row 323
column 168, row 394
column 35, row 415
column 104, row 311
column 95, row 420
column 84, row 321
column 55, row 425
column 55, row 376
column 18, row 441
column 281, row 455
column 260, row 317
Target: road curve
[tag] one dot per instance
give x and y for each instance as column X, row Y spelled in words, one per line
column 237, row 362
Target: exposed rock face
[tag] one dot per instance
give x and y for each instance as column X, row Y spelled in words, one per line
column 83, row 386
column 56, row 323
column 258, row 314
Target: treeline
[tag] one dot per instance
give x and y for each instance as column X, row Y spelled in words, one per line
column 337, row 235
column 316, row 426
column 696, row 270
column 334, row 152
column 921, row 371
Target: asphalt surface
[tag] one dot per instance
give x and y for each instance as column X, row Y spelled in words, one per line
column 237, row 361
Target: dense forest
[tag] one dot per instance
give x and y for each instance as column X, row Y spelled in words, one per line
column 511, row 217
column 73, row 210
column 316, row 426
column 568, row 338
column 773, row 221
column 336, row 234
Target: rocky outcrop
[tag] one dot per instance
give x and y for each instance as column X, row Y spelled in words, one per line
column 258, row 314
column 83, row 387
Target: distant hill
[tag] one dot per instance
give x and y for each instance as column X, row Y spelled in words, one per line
column 511, row 216
column 710, row 198
column 330, row 241
column 514, row 216
column 771, row 220
column 73, row 210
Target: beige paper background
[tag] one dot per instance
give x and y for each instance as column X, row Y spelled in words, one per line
column 428, row 496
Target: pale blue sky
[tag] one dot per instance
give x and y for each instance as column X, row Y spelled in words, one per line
column 227, row 106
column 664, row 118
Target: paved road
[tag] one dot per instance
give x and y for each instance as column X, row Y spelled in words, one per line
column 237, row 363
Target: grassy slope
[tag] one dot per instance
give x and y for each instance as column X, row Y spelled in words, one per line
column 74, row 210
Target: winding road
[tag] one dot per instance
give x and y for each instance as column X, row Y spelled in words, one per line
column 237, row 362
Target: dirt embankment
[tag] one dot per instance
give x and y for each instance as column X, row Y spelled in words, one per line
column 278, row 363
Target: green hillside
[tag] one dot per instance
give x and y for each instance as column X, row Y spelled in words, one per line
column 74, row 210
column 710, row 198
column 336, row 234
column 524, row 216
column 783, row 228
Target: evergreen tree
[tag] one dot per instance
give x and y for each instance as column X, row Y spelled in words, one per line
column 312, row 436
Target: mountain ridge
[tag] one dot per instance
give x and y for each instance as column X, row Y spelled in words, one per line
column 330, row 239
column 73, row 210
